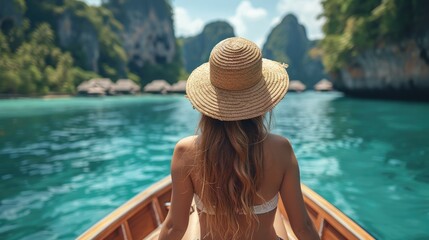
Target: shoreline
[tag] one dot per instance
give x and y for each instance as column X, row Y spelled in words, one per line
column 42, row 96
column 57, row 96
column 401, row 96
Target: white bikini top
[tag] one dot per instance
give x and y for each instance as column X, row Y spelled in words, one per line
column 257, row 209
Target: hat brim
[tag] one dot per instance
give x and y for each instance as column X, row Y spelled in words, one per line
column 233, row 105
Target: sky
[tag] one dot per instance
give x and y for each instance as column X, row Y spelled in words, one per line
column 251, row 19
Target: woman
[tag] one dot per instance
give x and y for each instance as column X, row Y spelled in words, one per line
column 234, row 168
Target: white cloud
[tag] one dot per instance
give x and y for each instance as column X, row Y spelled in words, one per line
column 184, row 24
column 306, row 12
column 260, row 42
column 275, row 21
column 245, row 16
column 93, row 2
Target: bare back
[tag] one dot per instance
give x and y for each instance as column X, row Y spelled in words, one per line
column 281, row 175
column 274, row 166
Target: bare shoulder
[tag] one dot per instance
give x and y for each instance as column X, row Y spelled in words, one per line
column 277, row 138
column 279, row 142
column 184, row 152
column 186, row 143
column 281, row 148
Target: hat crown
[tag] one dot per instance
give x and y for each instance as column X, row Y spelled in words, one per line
column 235, row 64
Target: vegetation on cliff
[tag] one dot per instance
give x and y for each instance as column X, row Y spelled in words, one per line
column 196, row 50
column 148, row 38
column 53, row 45
column 354, row 26
column 30, row 60
column 288, row 43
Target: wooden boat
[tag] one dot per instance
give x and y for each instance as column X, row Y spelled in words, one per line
column 142, row 216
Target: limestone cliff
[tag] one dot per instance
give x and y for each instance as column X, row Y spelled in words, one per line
column 120, row 39
column 88, row 33
column 389, row 71
column 377, row 48
column 288, row 43
column 79, row 36
column 11, row 15
column 148, row 38
column 148, row 34
column 196, row 50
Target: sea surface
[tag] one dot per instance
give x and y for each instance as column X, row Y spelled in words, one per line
column 66, row 163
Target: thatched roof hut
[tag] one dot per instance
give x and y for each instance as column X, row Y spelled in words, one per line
column 96, row 91
column 179, row 87
column 324, row 85
column 83, row 87
column 105, row 83
column 296, row 86
column 157, row 86
column 95, row 86
column 125, row 86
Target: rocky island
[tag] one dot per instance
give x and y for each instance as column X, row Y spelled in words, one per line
column 378, row 49
column 371, row 49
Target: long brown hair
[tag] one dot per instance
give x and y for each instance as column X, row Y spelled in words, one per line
column 230, row 165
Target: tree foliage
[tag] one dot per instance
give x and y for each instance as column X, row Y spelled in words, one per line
column 112, row 58
column 352, row 26
column 171, row 72
column 37, row 66
column 34, row 59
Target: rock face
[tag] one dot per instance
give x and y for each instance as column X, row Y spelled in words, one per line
column 196, row 50
column 390, row 71
column 288, row 43
column 11, row 14
column 80, row 36
column 148, row 33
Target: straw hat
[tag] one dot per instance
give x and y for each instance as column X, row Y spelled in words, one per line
column 237, row 83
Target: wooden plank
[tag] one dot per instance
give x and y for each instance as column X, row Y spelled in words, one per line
column 331, row 233
column 142, row 223
column 142, row 215
column 116, row 234
column 162, row 199
column 333, row 216
column 126, row 230
column 157, row 209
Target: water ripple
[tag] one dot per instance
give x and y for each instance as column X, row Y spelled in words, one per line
column 66, row 163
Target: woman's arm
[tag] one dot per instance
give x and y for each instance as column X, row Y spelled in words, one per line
column 176, row 222
column 292, row 197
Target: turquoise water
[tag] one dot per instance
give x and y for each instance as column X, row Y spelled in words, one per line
column 66, row 163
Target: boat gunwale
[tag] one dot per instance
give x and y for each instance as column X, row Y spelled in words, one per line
column 119, row 216
column 355, row 229
column 115, row 218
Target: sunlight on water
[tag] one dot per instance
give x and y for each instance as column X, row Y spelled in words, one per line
column 66, row 163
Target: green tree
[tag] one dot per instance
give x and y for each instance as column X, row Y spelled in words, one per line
column 353, row 26
column 37, row 67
